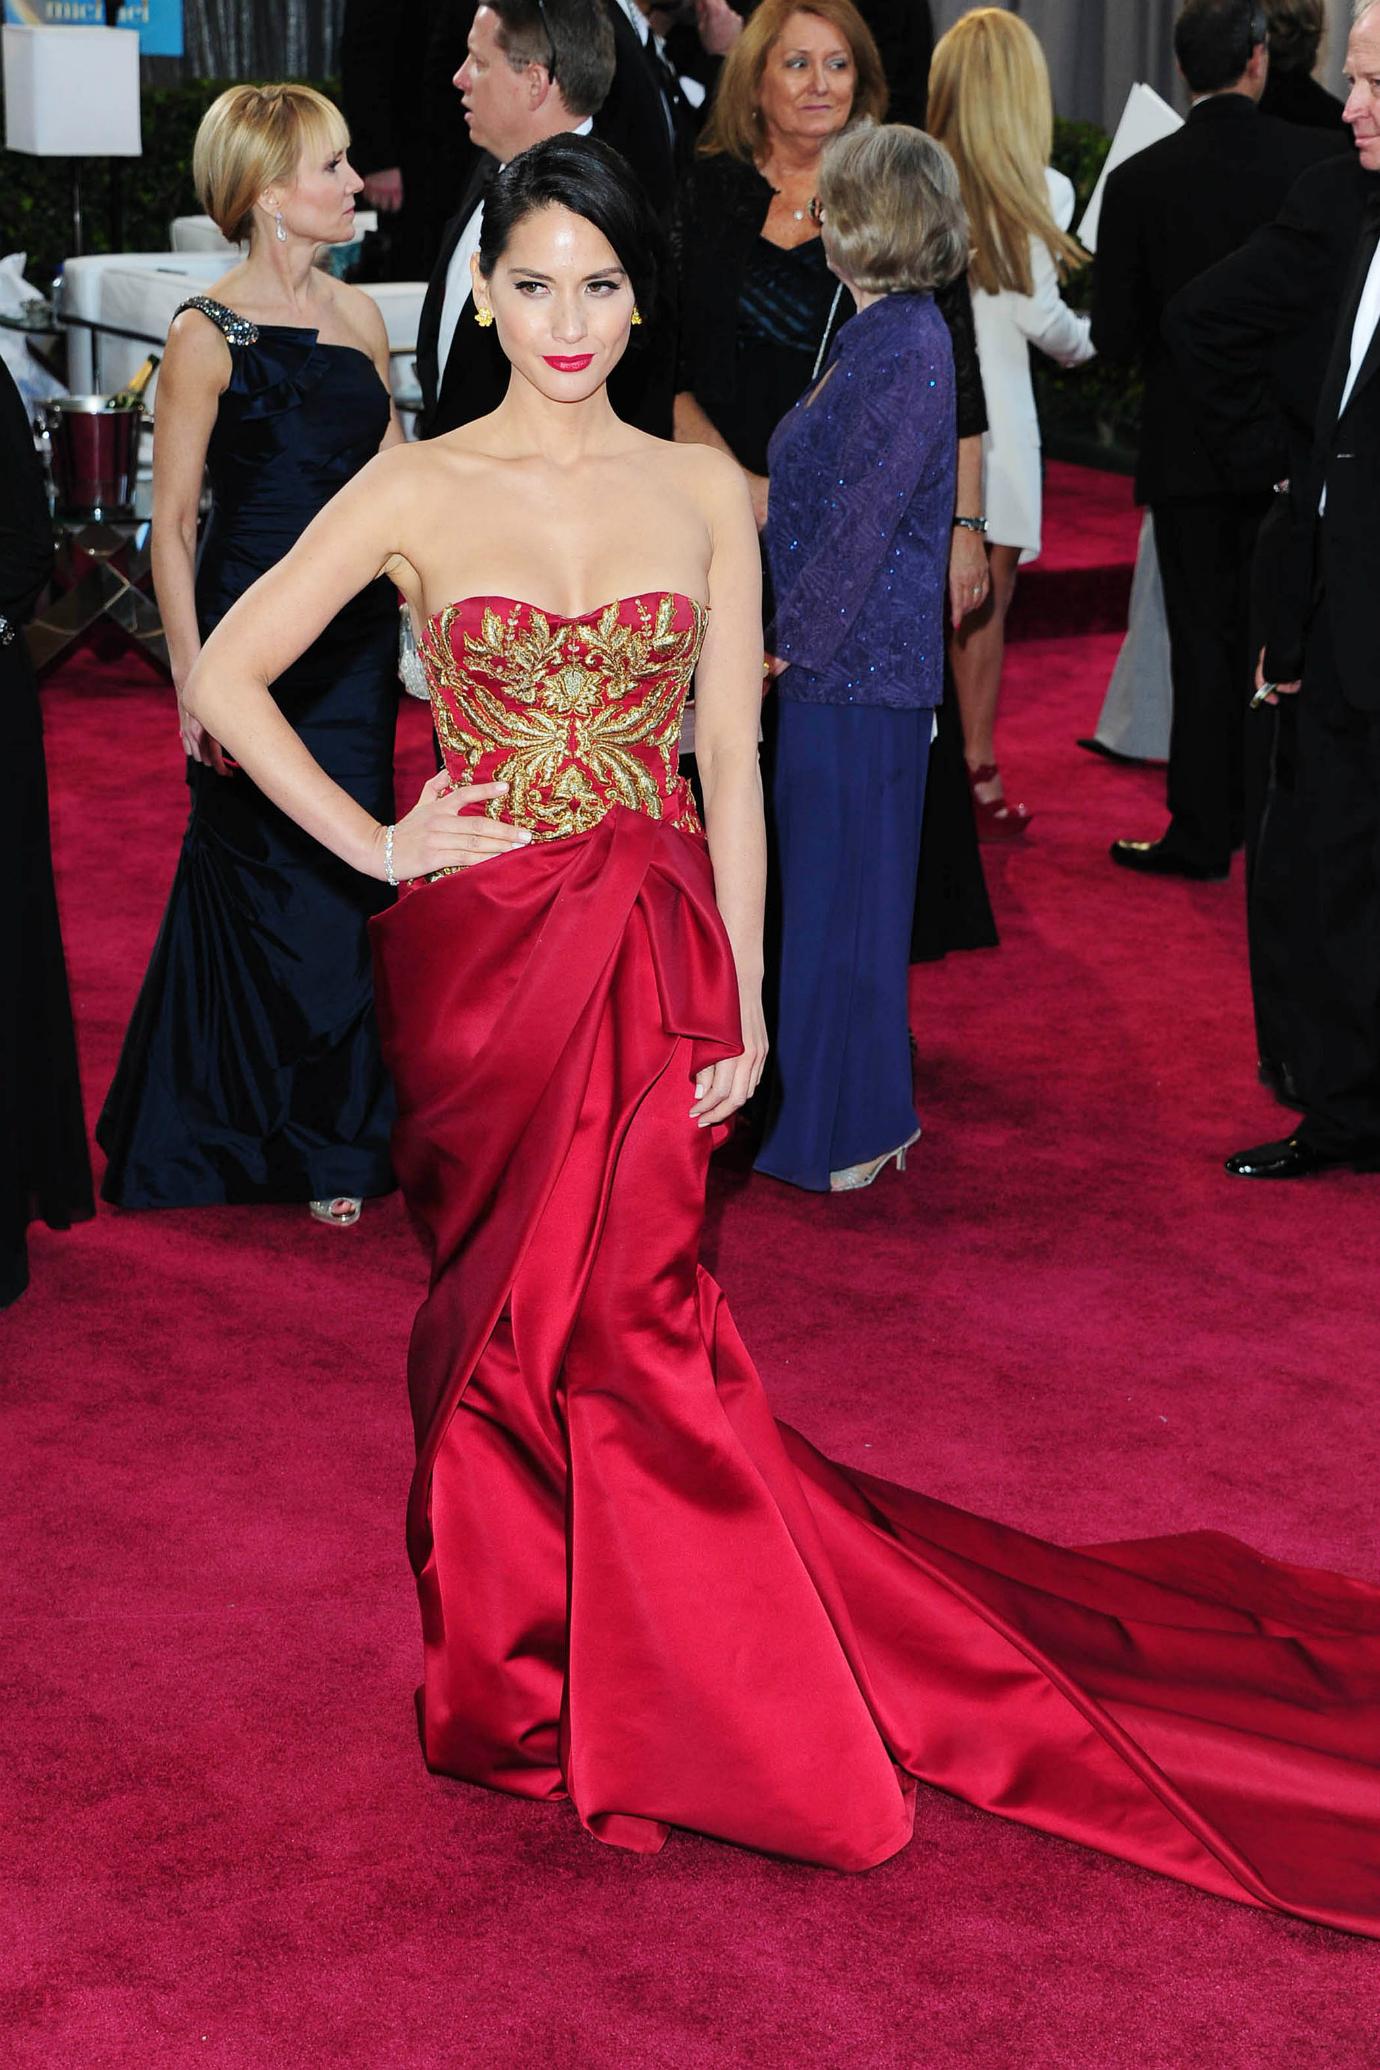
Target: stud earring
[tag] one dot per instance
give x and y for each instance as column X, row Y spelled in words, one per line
column 483, row 317
column 279, row 232
column 636, row 316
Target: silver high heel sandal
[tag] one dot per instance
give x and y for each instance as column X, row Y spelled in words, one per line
column 854, row 1177
column 341, row 1213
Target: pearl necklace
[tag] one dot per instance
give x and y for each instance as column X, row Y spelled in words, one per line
column 798, row 215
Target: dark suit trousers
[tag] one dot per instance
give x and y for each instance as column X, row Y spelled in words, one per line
column 1205, row 546
column 1279, row 909
column 1337, row 996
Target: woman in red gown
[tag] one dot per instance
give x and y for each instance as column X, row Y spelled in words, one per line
column 639, row 1591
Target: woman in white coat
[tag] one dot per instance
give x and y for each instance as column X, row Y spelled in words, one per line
column 990, row 107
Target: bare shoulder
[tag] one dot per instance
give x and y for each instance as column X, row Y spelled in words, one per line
column 402, row 471
column 356, row 310
column 711, row 479
column 714, row 480
column 424, row 480
column 196, row 353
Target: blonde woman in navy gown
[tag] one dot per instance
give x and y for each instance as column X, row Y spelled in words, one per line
column 251, row 1070
column 640, row 1593
column 858, row 534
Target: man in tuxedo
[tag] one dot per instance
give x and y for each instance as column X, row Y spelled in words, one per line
column 530, row 71
column 1322, row 649
column 1252, row 339
column 533, row 68
column 629, row 117
column 681, row 100
column 1168, row 213
column 634, row 115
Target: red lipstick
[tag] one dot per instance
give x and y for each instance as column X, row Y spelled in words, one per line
column 575, row 364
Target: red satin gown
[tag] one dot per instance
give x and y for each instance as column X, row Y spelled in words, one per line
column 641, row 1592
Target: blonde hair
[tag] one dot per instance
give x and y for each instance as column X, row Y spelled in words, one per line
column 253, row 137
column 991, row 109
column 734, row 128
column 893, row 216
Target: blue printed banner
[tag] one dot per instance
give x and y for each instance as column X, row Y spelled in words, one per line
column 159, row 22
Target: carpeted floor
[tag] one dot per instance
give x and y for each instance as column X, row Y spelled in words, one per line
column 221, row 1846
column 1082, row 578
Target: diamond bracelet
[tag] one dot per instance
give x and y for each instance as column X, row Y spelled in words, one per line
column 389, row 874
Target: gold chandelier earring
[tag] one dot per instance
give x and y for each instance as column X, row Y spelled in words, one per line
column 482, row 316
column 636, row 316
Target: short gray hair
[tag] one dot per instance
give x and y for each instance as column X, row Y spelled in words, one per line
column 893, row 219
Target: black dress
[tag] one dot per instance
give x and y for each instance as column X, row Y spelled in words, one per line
column 251, row 1069
column 754, row 320
column 45, row 1174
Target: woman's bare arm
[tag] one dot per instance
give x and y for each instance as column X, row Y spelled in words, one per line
column 193, row 377
column 359, row 535
column 376, row 331
column 728, row 705
column 969, row 576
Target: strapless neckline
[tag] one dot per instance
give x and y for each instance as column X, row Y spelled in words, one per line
column 638, row 596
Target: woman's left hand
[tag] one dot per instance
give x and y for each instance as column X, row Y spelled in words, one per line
column 970, row 578
column 721, row 1089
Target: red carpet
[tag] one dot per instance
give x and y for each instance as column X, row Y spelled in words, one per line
column 222, row 1847
column 1082, row 578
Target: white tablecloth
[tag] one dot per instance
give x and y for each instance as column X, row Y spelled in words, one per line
column 147, row 280
column 139, row 291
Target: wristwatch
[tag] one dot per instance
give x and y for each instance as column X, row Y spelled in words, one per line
column 970, row 524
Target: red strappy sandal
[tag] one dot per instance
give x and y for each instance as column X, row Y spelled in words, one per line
column 997, row 819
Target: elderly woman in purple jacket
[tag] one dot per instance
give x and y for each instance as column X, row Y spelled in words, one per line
column 858, row 531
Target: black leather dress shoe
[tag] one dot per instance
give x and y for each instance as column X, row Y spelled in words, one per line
column 1289, row 1159
column 1159, row 859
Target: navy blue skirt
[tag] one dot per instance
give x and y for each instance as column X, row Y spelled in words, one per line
column 848, row 799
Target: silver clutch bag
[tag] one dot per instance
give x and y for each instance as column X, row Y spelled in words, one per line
column 411, row 674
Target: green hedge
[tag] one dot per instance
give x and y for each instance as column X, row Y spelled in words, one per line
column 1091, row 413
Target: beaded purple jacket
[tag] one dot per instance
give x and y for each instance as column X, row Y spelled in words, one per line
column 860, row 515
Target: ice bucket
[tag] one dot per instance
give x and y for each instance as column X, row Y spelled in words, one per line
column 95, row 454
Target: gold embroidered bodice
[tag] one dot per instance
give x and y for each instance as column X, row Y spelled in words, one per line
column 575, row 715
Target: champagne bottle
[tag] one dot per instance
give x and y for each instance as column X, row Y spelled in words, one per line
column 132, row 396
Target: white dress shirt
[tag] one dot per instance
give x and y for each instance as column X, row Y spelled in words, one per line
column 1363, row 330
column 460, row 279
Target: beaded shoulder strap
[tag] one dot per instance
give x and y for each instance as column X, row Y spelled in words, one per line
column 236, row 330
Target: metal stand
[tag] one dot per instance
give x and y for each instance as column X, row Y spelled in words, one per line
column 103, row 571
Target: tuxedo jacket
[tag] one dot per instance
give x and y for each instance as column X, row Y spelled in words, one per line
column 1337, row 550
column 474, row 379
column 1252, row 337
column 1168, row 214
column 631, row 118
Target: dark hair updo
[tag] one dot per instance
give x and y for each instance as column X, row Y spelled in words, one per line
column 591, row 180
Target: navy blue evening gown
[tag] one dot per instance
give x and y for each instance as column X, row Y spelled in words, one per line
column 251, row 1069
